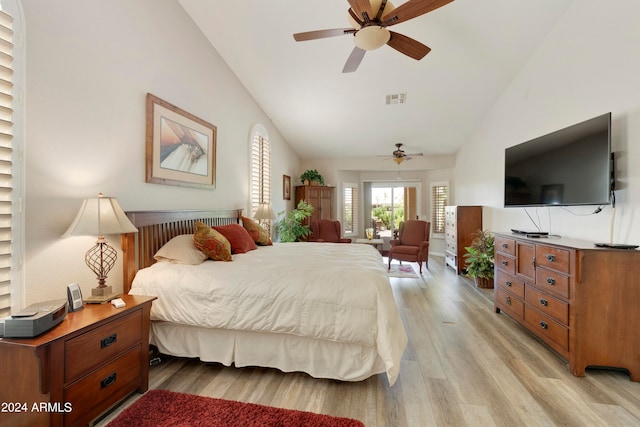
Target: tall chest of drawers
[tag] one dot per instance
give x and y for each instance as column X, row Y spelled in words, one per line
column 579, row 300
column 71, row 374
column 460, row 224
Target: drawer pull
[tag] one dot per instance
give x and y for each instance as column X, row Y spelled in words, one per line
column 505, row 262
column 551, row 281
column 508, row 283
column 107, row 381
column 544, row 325
column 544, row 302
column 106, row 342
column 551, row 257
column 508, row 300
column 504, row 245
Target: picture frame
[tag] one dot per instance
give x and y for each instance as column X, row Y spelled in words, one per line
column 180, row 147
column 286, row 187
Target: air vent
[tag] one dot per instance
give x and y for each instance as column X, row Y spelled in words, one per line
column 396, row 98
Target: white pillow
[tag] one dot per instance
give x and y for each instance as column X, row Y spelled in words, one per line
column 180, row 250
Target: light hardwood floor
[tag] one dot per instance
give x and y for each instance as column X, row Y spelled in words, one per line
column 465, row 366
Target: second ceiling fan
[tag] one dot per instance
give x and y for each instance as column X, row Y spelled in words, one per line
column 370, row 19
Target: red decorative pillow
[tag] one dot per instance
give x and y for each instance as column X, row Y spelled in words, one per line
column 239, row 238
column 257, row 233
column 212, row 243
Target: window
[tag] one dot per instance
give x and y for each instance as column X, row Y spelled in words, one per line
column 260, row 171
column 350, row 209
column 6, row 164
column 439, row 199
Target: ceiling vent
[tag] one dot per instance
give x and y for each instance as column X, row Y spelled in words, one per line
column 396, row 98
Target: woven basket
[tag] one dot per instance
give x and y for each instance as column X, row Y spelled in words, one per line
column 483, row 282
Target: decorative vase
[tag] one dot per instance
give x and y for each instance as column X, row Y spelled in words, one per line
column 369, row 233
column 315, row 183
column 305, row 182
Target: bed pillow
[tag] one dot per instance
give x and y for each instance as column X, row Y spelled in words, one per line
column 212, row 243
column 181, row 250
column 241, row 241
column 257, row 233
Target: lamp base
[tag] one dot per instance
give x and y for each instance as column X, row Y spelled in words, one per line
column 101, row 295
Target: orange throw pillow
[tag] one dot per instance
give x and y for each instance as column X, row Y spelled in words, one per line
column 212, row 243
column 241, row 241
column 257, row 233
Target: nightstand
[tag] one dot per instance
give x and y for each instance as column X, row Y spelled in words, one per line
column 76, row 371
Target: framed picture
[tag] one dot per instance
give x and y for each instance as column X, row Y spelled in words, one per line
column 181, row 148
column 286, row 187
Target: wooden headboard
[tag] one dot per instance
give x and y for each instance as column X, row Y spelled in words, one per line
column 155, row 228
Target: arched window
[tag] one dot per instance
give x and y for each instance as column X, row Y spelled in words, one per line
column 260, row 171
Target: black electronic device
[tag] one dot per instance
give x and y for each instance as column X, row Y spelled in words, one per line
column 528, row 233
column 616, row 246
column 572, row 166
column 35, row 319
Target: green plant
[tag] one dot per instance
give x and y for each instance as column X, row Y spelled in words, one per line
column 479, row 256
column 312, row 175
column 290, row 228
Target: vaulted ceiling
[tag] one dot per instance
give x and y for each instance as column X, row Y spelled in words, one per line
column 477, row 49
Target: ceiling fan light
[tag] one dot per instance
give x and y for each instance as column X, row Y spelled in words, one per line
column 370, row 38
column 398, row 160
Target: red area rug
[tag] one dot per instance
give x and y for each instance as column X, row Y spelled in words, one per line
column 162, row 408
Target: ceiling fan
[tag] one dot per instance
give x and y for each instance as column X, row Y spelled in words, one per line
column 369, row 19
column 400, row 156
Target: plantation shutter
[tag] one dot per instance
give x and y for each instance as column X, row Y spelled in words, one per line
column 260, row 171
column 6, row 136
column 439, row 195
column 350, row 209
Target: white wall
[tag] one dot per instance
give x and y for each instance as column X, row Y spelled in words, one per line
column 90, row 64
column 587, row 66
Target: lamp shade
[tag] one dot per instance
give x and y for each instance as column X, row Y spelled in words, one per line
column 264, row 212
column 99, row 216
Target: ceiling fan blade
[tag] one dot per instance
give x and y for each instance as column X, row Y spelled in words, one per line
column 408, row 46
column 354, row 60
column 322, row 34
column 411, row 9
column 360, row 7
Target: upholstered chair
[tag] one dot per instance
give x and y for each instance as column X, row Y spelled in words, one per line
column 412, row 244
column 326, row 230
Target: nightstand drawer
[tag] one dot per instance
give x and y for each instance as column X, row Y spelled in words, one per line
column 90, row 350
column 93, row 394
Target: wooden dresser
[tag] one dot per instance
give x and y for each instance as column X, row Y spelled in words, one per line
column 318, row 196
column 582, row 301
column 460, row 223
column 77, row 370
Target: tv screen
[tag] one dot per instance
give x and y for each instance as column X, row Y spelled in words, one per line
column 571, row 166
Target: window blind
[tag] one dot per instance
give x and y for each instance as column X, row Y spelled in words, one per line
column 260, row 172
column 6, row 136
column 350, row 209
column 439, row 195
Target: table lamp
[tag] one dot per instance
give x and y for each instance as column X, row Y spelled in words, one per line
column 265, row 214
column 99, row 216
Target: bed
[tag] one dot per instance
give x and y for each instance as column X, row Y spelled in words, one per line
column 326, row 309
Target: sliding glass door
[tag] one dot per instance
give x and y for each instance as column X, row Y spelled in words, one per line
column 388, row 204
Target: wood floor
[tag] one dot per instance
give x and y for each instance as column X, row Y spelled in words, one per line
column 464, row 366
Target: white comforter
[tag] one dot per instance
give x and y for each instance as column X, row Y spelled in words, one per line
column 336, row 292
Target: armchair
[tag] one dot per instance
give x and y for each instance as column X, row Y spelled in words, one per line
column 326, row 230
column 412, row 244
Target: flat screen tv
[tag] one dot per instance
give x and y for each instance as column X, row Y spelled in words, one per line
column 572, row 166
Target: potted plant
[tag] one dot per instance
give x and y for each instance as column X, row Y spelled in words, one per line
column 479, row 259
column 311, row 176
column 290, row 228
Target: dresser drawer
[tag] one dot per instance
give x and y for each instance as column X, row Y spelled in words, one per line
column 505, row 263
column 548, row 305
column 91, row 349
column 104, row 387
column 552, row 282
column 510, row 283
column 550, row 331
column 553, row 258
column 507, row 246
column 509, row 303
